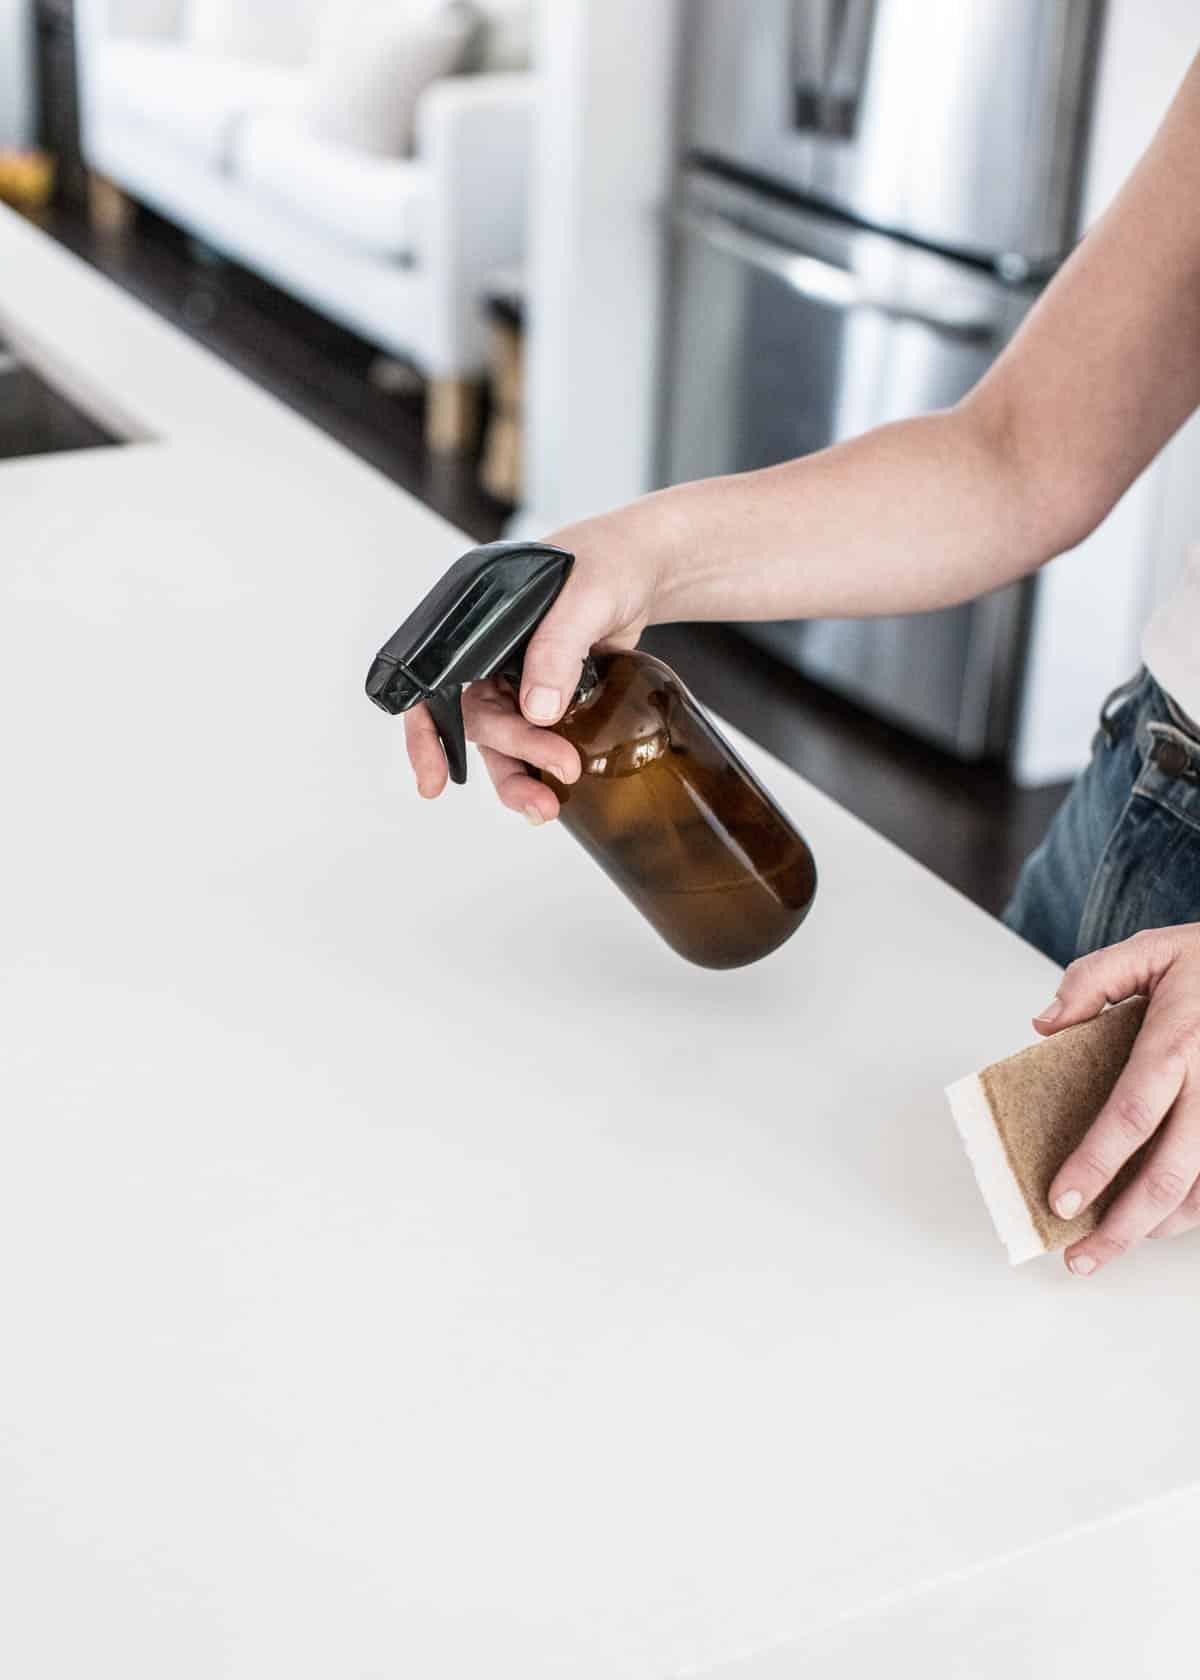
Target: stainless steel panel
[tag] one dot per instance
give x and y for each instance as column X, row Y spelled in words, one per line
column 792, row 332
column 950, row 677
column 953, row 121
column 822, row 281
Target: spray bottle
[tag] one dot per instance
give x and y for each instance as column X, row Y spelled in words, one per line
column 664, row 805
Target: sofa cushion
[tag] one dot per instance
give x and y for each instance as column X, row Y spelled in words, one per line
column 374, row 62
column 254, row 31
column 374, row 204
column 184, row 99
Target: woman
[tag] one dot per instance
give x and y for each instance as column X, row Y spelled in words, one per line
column 933, row 511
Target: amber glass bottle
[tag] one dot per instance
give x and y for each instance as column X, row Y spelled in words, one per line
column 677, row 821
column 664, row 805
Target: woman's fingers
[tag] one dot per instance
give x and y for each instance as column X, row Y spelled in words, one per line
column 1157, row 1096
column 1109, row 976
column 507, row 745
column 425, row 752
column 517, row 789
column 1156, row 1196
column 1142, row 1097
column 492, row 720
column 1185, row 1218
column 582, row 617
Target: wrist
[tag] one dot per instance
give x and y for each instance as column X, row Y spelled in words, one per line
column 655, row 531
column 643, row 552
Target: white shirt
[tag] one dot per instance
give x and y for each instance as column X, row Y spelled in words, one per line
column 1171, row 646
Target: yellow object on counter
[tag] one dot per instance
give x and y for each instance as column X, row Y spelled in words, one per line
column 26, row 180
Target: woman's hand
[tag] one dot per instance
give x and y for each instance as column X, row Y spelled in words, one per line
column 607, row 602
column 1157, row 1096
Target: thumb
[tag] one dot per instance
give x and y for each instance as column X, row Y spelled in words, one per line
column 1130, row 969
column 581, row 617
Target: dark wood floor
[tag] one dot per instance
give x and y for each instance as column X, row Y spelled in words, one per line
column 314, row 366
column 969, row 825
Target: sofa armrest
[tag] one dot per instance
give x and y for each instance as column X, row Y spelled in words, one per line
column 144, row 20
column 475, row 139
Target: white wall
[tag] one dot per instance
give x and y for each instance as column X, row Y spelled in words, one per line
column 16, row 73
column 604, row 167
column 1093, row 603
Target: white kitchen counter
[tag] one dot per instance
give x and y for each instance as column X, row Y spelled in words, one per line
column 407, row 1265
column 1115, row 1598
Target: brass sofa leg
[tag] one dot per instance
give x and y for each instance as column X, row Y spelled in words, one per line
column 110, row 211
column 452, row 421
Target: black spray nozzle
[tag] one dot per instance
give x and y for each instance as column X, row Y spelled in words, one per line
column 476, row 623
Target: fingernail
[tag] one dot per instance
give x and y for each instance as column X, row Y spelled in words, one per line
column 1068, row 1204
column 1083, row 1265
column 1051, row 1012
column 533, row 816
column 542, row 704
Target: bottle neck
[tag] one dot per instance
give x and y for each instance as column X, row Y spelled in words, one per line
column 589, row 681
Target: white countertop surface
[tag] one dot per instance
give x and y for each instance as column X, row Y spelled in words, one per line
column 407, row 1264
column 1115, row 1598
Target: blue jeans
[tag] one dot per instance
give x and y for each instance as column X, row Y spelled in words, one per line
column 1123, row 852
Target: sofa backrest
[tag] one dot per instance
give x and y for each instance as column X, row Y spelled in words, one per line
column 281, row 30
column 150, row 19
column 255, row 31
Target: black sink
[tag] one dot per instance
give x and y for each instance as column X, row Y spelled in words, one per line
column 36, row 420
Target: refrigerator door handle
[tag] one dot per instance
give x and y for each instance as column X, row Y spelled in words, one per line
column 824, row 282
column 831, row 41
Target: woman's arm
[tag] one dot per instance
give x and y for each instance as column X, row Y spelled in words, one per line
column 938, row 510
column 916, row 515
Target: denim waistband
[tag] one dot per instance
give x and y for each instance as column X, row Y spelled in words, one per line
column 1168, row 745
column 1179, row 716
column 1143, row 699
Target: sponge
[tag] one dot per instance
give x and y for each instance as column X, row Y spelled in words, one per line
column 1020, row 1119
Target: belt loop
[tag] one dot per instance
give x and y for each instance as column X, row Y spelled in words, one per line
column 1116, row 702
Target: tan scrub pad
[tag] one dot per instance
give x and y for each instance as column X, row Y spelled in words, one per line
column 1021, row 1118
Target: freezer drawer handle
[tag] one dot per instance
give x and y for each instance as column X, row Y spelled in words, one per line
column 823, row 281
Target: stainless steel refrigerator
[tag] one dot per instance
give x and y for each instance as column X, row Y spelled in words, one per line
column 871, row 194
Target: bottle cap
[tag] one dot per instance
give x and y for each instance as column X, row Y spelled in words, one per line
column 476, row 623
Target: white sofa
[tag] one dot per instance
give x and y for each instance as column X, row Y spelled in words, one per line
column 396, row 248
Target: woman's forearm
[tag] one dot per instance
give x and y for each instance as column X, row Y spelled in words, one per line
column 912, row 516
column 932, row 511
column 920, row 514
